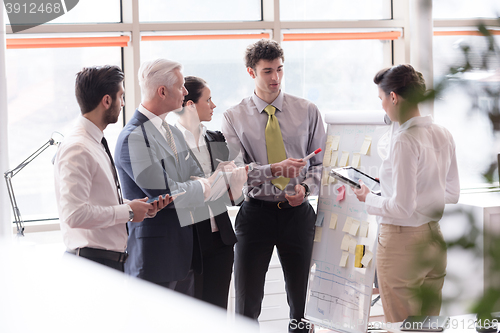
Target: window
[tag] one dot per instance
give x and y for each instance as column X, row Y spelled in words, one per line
column 88, row 11
column 463, row 108
column 218, row 61
column 319, row 10
column 199, row 11
column 41, row 100
column 92, row 11
column 458, row 9
column 335, row 74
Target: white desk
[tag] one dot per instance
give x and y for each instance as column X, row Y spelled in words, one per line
column 469, row 273
column 44, row 293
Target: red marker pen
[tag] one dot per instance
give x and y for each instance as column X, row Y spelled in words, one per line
column 311, row 154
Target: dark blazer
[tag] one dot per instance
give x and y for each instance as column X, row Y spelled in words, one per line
column 218, row 149
column 160, row 250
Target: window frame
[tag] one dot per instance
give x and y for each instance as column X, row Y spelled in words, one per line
column 399, row 50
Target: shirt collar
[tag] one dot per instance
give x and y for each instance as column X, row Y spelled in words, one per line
column 92, row 129
column 185, row 132
column 155, row 120
column 261, row 105
column 416, row 121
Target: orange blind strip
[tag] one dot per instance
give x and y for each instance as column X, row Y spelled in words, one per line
column 385, row 35
column 464, row 33
column 203, row 37
column 34, row 43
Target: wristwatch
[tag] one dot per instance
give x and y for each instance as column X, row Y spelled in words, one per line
column 130, row 213
column 308, row 192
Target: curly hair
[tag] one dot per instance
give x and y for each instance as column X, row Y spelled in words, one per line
column 266, row 49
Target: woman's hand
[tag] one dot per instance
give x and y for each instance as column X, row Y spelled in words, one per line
column 238, row 179
column 362, row 192
column 227, row 166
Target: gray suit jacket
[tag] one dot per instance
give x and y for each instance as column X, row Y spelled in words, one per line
column 160, row 249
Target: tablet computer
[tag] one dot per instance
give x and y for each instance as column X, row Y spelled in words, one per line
column 351, row 177
column 174, row 195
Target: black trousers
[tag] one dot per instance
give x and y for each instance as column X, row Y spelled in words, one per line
column 186, row 286
column 106, row 262
column 212, row 285
column 259, row 230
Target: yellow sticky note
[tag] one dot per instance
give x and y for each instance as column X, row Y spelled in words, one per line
column 329, row 139
column 356, row 159
column 317, row 234
column 352, row 245
column 343, row 259
column 363, row 229
column 360, row 251
column 347, row 225
column 328, row 154
column 325, row 177
column 345, row 242
column 332, row 180
column 354, row 227
column 344, row 159
column 365, row 147
column 335, row 142
column 333, row 158
column 333, row 221
column 367, row 258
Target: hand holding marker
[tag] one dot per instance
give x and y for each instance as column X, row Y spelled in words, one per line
column 317, row 151
column 250, row 168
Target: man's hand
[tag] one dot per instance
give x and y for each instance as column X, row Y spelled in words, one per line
column 140, row 207
column 289, row 168
column 362, row 192
column 158, row 205
column 298, row 197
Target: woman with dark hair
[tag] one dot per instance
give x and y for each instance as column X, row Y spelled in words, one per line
column 215, row 232
column 418, row 177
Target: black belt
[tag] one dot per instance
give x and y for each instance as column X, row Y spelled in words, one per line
column 88, row 252
column 270, row 204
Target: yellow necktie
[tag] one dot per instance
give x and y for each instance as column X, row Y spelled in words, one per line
column 275, row 146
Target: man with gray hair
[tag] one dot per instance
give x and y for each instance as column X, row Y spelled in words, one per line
column 153, row 159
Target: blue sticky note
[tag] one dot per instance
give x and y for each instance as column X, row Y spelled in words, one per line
column 320, row 218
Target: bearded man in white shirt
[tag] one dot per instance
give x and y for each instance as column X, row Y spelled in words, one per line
column 92, row 212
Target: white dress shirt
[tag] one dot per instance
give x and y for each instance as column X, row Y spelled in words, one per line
column 199, row 148
column 418, row 177
column 200, row 151
column 89, row 210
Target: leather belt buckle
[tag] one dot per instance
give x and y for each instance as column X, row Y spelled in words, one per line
column 279, row 203
column 77, row 253
column 123, row 257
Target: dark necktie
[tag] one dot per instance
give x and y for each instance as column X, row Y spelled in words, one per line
column 115, row 175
